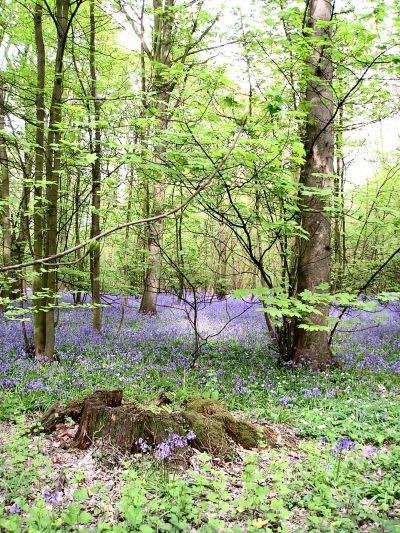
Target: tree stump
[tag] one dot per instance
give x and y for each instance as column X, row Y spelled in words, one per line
column 216, row 428
column 123, row 426
column 57, row 414
column 104, row 420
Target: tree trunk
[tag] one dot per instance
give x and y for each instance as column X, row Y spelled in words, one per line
column 163, row 25
column 21, row 236
column 96, row 178
column 39, row 322
column 53, row 169
column 77, row 295
column 235, row 266
column 5, row 194
column 311, row 348
column 338, row 204
column 180, row 261
column 221, row 284
column 57, row 414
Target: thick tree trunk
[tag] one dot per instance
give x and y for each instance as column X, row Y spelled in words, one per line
column 96, row 178
column 162, row 34
column 148, row 303
column 57, row 414
column 312, row 348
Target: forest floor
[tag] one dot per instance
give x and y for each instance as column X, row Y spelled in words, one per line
column 335, row 465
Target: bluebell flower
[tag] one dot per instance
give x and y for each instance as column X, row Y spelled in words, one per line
column 143, row 445
column 8, row 383
column 165, row 449
column 240, row 387
column 191, row 436
column 284, row 400
column 344, row 444
column 312, row 393
column 371, row 451
column 15, row 508
column 36, row 384
column 53, row 497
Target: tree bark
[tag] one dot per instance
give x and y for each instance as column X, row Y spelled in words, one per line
column 20, row 237
column 96, row 178
column 77, row 295
column 57, row 414
column 222, row 278
column 162, row 34
column 39, row 322
column 104, row 419
column 53, row 169
column 5, row 192
column 311, row 348
column 179, row 252
column 338, row 204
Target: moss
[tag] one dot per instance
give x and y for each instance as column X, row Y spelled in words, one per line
column 205, row 406
column 158, row 426
column 243, row 433
column 121, row 426
column 211, row 436
column 204, row 409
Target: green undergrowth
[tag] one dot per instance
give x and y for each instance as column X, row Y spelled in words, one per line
column 314, row 487
column 310, row 489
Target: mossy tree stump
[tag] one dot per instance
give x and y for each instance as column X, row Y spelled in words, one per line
column 216, row 428
column 123, row 426
column 57, row 414
column 104, row 419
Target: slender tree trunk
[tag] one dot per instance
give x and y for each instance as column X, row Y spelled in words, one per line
column 96, row 177
column 78, row 293
column 21, row 237
column 235, row 264
column 337, row 238
column 53, row 169
column 39, row 321
column 338, row 203
column 179, row 251
column 213, row 260
column 5, row 192
column 129, row 281
column 259, row 247
column 311, row 348
column 221, row 285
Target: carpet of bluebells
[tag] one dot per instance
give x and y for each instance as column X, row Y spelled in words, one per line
column 343, row 476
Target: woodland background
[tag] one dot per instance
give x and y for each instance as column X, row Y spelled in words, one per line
column 201, row 199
